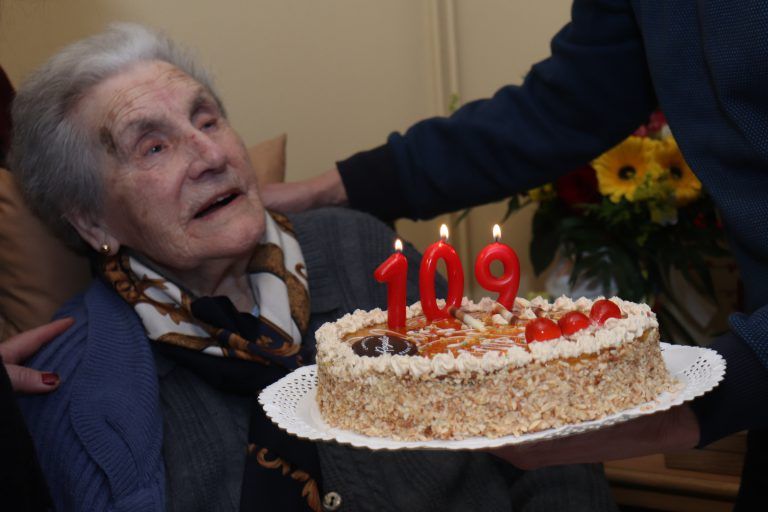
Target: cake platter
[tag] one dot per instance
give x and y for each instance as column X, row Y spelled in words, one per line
column 290, row 403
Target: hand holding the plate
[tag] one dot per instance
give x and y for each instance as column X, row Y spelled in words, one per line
column 671, row 430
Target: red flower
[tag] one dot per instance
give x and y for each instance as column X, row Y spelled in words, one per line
column 657, row 121
column 578, row 187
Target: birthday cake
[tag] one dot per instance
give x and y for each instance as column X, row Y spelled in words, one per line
column 488, row 370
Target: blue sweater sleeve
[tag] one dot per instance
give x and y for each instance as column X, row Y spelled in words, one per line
column 591, row 92
column 740, row 401
column 96, row 447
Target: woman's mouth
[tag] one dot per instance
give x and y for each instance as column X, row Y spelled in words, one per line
column 217, row 204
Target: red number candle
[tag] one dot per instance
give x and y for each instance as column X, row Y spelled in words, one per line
column 434, row 253
column 509, row 281
column 394, row 272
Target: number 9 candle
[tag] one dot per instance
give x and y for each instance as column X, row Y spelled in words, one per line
column 508, row 283
column 434, row 253
column 394, row 272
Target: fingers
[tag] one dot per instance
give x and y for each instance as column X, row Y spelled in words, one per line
column 286, row 197
column 27, row 380
column 18, row 348
column 326, row 189
column 271, row 196
column 23, row 345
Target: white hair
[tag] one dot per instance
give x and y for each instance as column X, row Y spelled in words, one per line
column 56, row 160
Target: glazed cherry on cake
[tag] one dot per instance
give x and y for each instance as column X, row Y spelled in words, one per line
column 542, row 329
column 602, row 310
column 573, row 322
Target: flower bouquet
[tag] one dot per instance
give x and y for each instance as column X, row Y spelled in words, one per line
column 629, row 223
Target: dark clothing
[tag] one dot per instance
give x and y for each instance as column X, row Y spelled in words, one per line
column 21, row 482
column 22, row 487
column 6, row 97
column 703, row 63
column 753, row 494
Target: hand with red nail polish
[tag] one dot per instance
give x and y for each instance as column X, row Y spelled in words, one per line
column 15, row 350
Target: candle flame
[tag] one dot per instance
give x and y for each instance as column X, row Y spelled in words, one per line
column 444, row 232
column 496, row 232
column 398, row 245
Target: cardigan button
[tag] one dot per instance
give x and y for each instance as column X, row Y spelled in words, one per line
column 331, row 501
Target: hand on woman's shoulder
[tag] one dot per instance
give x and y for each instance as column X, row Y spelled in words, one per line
column 17, row 349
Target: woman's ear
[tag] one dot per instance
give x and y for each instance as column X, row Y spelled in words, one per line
column 95, row 233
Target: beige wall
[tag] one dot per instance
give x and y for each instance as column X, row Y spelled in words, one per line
column 336, row 75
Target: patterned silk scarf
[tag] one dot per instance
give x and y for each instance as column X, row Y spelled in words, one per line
column 240, row 352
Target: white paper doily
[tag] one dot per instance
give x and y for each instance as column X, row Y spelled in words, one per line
column 290, row 403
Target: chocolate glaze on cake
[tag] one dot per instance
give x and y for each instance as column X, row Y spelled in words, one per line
column 375, row 346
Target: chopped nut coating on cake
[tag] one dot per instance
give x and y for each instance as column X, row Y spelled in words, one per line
column 454, row 379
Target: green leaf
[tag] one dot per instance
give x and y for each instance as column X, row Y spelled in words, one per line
column 544, row 242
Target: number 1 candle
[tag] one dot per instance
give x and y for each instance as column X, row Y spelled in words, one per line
column 435, row 252
column 508, row 282
column 394, row 272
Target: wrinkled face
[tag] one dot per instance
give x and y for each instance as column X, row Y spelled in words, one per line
column 179, row 186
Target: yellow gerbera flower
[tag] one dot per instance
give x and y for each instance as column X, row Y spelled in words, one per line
column 622, row 169
column 684, row 183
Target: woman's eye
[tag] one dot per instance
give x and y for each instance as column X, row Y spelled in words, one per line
column 153, row 149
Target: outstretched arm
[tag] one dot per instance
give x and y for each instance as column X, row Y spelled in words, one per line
column 592, row 92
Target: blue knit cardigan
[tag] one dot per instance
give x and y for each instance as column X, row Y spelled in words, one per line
column 117, row 368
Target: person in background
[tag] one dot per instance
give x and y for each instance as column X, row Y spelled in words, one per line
column 202, row 299
column 6, row 97
column 610, row 67
column 22, row 486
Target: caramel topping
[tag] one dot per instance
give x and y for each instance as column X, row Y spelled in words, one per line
column 451, row 336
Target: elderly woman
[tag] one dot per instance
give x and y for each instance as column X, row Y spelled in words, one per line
column 201, row 299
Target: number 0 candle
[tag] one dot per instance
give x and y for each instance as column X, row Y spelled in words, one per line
column 508, row 282
column 394, row 272
column 435, row 252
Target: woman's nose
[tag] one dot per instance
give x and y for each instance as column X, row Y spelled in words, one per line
column 207, row 154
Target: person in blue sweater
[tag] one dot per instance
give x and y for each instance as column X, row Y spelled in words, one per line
column 703, row 64
column 203, row 298
column 22, row 485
